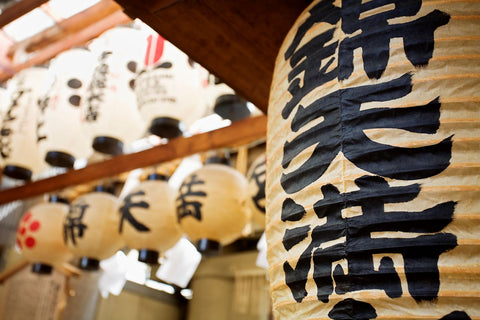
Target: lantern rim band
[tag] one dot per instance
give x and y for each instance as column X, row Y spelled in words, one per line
column 89, row 264
column 166, row 127
column 108, row 145
column 218, row 160
column 208, row 247
column 55, row 198
column 148, row 256
column 232, row 107
column 158, row 177
column 41, row 268
column 104, row 188
column 60, row 159
column 17, row 172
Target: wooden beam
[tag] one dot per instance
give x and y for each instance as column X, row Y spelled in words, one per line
column 17, row 10
column 237, row 134
column 67, row 27
column 236, row 40
column 76, row 39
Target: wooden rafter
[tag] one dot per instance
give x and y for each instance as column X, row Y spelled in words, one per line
column 67, row 27
column 237, row 134
column 74, row 39
column 17, row 10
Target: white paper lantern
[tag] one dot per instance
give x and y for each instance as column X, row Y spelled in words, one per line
column 91, row 228
column 111, row 113
column 211, row 206
column 18, row 142
column 62, row 138
column 40, row 236
column 169, row 91
column 148, row 218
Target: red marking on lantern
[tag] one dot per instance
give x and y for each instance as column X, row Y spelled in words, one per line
column 35, row 226
column 154, row 49
column 22, row 230
column 30, row 242
column 27, row 216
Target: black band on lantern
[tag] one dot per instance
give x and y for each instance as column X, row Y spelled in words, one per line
column 218, row 160
column 55, row 198
column 41, row 268
column 103, row 188
column 232, row 107
column 166, row 127
column 89, row 264
column 157, row 176
column 108, row 145
column 17, row 172
column 148, row 256
column 60, row 159
column 208, row 247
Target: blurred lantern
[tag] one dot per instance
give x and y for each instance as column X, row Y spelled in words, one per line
column 211, row 206
column 18, row 143
column 91, row 228
column 256, row 190
column 148, row 218
column 225, row 102
column 40, row 235
column 111, row 113
column 61, row 135
column 373, row 198
column 169, row 90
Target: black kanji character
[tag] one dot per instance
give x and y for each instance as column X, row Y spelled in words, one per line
column 188, row 207
column 420, row 254
column 258, row 175
column 73, row 226
column 126, row 214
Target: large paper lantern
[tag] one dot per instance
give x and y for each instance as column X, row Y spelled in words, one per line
column 169, row 90
column 372, row 162
column 111, row 113
column 91, row 228
column 18, row 141
column 40, row 236
column 148, row 218
column 256, row 190
column 61, row 135
column 211, row 206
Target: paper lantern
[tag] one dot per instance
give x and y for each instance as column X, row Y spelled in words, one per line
column 91, row 228
column 18, row 143
column 372, row 163
column 211, row 206
column 168, row 91
column 148, row 218
column 111, row 102
column 40, row 236
column 226, row 103
column 61, row 135
column 256, row 190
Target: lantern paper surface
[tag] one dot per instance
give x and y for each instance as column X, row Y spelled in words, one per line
column 373, row 171
column 148, row 217
column 40, row 234
column 91, row 226
column 60, row 128
column 211, row 204
column 169, row 90
column 111, row 109
column 18, row 143
column 256, row 190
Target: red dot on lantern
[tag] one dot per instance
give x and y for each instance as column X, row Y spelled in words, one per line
column 30, row 242
column 22, row 231
column 35, row 225
column 19, row 243
column 27, row 216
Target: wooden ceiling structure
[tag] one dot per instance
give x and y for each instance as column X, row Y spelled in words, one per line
column 236, row 40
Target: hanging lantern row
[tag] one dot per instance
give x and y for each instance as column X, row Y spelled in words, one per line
column 209, row 208
column 100, row 98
